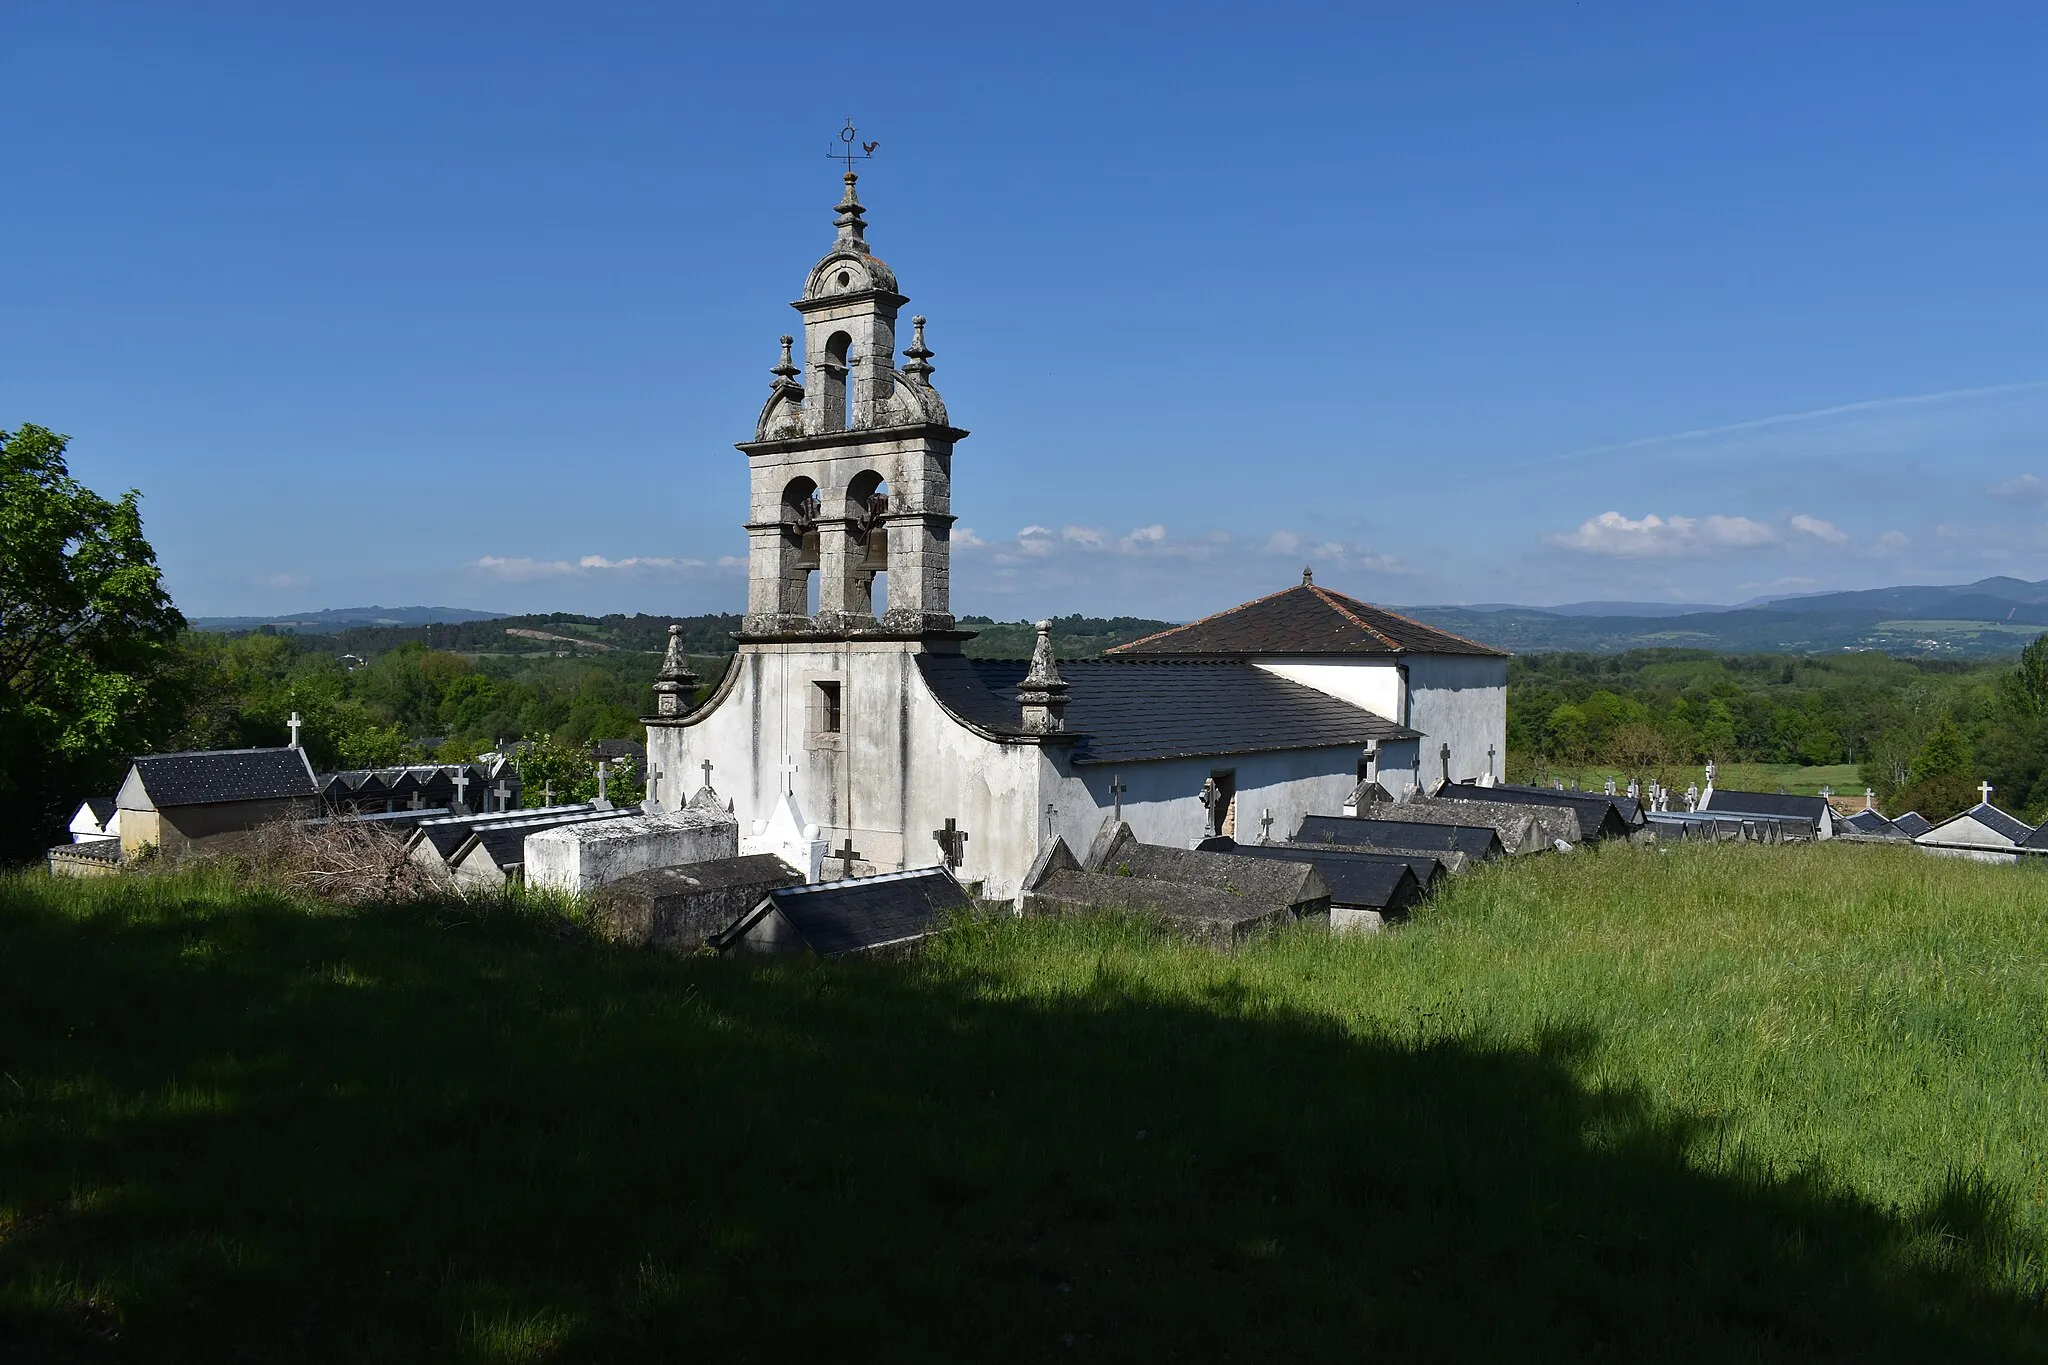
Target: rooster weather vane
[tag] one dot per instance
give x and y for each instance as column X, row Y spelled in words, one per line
column 847, row 136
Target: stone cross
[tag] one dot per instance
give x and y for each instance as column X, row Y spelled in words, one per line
column 1052, row 815
column 1869, row 799
column 654, row 785
column 707, row 772
column 846, row 855
column 1692, row 796
column 462, row 787
column 547, row 793
column 1710, row 772
column 952, row 842
column 1445, row 757
column 1489, row 761
column 295, row 723
column 414, row 803
column 788, row 769
column 1210, row 791
column 1116, row 792
column 1266, row 826
column 504, row 795
column 603, row 774
column 1610, row 786
column 1985, row 789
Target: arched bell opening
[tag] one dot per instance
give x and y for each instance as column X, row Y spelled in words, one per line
column 838, row 367
column 800, row 550
column 867, row 518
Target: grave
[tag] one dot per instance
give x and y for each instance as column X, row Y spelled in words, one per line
column 681, row 908
column 582, row 857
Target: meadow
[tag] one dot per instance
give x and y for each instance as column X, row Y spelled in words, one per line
column 1719, row 1103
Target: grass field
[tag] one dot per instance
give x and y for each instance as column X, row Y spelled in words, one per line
column 1721, row 1103
column 1798, row 779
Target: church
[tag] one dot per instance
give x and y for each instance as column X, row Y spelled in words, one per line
column 850, row 731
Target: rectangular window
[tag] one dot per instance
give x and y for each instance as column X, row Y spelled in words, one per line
column 827, row 709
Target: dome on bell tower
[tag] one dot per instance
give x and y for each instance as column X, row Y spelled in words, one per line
column 849, row 267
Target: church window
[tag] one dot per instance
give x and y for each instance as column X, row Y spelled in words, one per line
column 838, row 367
column 825, row 713
column 844, row 279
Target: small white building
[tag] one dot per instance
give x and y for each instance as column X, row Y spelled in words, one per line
column 850, row 714
column 1977, row 834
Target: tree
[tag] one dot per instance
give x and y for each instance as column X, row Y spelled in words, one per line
column 2026, row 686
column 86, row 637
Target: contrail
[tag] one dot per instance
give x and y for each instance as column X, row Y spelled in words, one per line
column 1781, row 419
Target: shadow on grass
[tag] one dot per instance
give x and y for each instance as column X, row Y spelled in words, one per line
column 250, row 1133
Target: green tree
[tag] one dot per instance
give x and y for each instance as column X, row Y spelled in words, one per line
column 86, row 640
column 2026, row 686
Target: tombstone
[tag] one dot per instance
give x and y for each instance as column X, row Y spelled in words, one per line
column 952, row 842
column 681, row 908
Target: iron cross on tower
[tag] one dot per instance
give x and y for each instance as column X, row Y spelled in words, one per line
column 847, row 137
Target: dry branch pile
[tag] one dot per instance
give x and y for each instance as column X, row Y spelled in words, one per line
column 346, row 863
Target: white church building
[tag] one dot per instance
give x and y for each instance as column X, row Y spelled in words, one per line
column 853, row 726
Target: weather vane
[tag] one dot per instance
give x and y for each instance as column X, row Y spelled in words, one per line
column 846, row 152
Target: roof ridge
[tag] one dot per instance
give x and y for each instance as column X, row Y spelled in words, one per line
column 1409, row 620
column 1199, row 620
column 1331, row 600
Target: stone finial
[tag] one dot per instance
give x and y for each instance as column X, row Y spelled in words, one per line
column 786, row 372
column 1043, row 694
column 852, row 230
column 675, row 686
column 920, row 366
column 1308, row 578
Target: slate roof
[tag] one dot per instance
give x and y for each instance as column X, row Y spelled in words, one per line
column 1474, row 841
column 90, row 851
column 1721, row 801
column 102, row 808
column 1870, row 822
column 1125, row 712
column 1199, row 911
column 1593, row 809
column 202, row 777
column 1302, row 620
column 1285, row 883
column 2038, row 839
column 1356, row 880
column 1912, row 824
column 1993, row 819
column 837, row 918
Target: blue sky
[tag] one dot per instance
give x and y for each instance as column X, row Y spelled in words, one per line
column 466, row 305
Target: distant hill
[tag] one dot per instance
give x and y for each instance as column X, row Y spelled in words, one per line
column 1991, row 616
column 337, row 618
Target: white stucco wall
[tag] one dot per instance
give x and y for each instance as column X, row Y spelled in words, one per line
column 1162, row 798
column 1374, row 684
column 1462, row 701
column 899, row 767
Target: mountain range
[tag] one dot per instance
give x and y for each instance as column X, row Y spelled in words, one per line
column 1990, row 616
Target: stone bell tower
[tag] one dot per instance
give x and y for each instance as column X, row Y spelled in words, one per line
column 852, row 465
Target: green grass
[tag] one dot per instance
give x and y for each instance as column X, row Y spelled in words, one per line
column 1798, row 779
column 1730, row 1103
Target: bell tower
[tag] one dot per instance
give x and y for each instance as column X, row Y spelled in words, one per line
column 851, row 464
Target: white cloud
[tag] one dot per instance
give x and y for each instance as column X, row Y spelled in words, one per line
column 732, row 561
column 1282, row 543
column 284, row 580
column 1891, row 542
column 1144, row 536
column 1082, row 535
column 965, row 539
column 1653, row 536
column 1825, row 530
column 1035, row 541
column 520, row 568
column 2025, row 489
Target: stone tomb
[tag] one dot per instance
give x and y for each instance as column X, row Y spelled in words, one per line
column 681, row 908
column 582, row 857
column 1215, row 898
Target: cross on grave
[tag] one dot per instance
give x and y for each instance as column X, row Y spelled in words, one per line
column 1052, row 814
column 295, row 723
column 1985, row 789
column 846, row 855
column 1489, row 761
column 603, row 773
column 1210, row 792
column 1266, row 826
column 414, row 803
column 952, row 842
column 462, row 787
column 654, row 776
column 788, row 769
column 1116, row 792
column 1869, row 799
column 706, row 765
column 504, row 791
column 547, row 793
